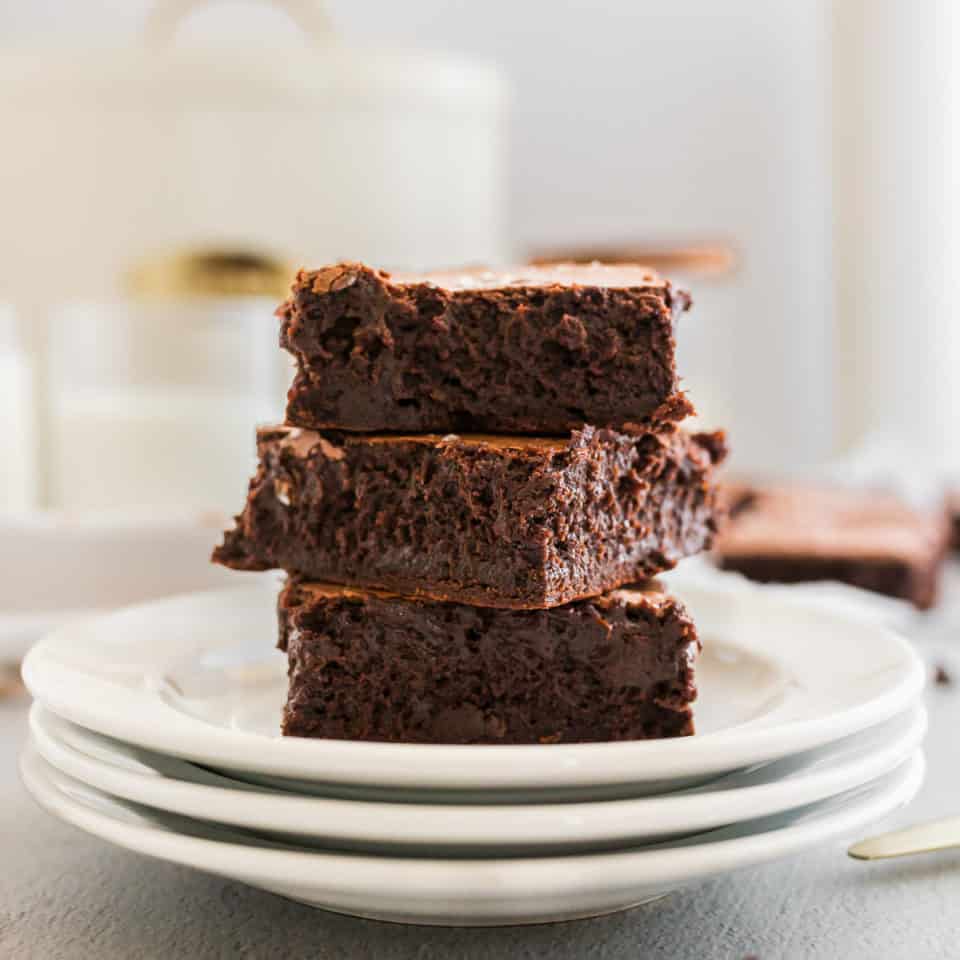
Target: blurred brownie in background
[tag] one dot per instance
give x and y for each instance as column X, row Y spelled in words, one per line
column 716, row 258
column 953, row 505
column 866, row 538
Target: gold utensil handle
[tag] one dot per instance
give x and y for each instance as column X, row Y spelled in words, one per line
column 920, row 838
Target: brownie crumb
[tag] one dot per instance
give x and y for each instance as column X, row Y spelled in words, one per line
column 941, row 676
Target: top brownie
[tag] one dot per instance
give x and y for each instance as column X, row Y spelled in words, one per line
column 540, row 350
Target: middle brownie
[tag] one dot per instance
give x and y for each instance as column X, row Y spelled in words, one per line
column 523, row 522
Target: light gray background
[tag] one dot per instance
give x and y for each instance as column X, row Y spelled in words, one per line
column 642, row 120
column 65, row 895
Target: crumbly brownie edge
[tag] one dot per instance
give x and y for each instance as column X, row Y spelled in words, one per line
column 537, row 524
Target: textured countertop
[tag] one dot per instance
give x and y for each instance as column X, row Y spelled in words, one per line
column 64, row 894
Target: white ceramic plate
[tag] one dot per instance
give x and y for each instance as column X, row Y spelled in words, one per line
column 196, row 677
column 179, row 787
column 454, row 891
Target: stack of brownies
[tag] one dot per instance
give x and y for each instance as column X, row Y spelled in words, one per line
column 478, row 477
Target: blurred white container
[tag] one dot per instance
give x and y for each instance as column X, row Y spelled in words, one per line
column 151, row 413
column 896, row 229
column 313, row 154
column 18, row 481
column 154, row 399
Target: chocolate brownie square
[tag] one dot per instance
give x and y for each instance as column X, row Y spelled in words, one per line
column 525, row 522
column 369, row 665
column 538, row 350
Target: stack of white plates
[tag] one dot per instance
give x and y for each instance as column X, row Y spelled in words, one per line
column 155, row 728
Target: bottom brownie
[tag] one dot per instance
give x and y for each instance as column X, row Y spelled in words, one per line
column 869, row 539
column 369, row 665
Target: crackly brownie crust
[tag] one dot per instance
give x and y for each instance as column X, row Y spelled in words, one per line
column 869, row 539
column 521, row 522
column 376, row 666
column 541, row 350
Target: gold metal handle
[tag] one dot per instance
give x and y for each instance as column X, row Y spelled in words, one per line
column 165, row 17
column 920, row 838
column 192, row 273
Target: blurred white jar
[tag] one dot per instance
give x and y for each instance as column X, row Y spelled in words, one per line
column 18, row 482
column 897, row 231
column 316, row 151
column 154, row 399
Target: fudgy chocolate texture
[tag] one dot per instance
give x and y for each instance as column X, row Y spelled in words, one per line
column 873, row 540
column 543, row 350
column 369, row 666
column 526, row 522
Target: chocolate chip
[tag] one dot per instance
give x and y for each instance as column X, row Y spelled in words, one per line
column 941, row 676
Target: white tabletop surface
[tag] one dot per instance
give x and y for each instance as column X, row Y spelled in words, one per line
column 67, row 895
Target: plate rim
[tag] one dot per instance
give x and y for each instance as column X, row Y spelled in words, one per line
column 444, row 766
column 449, row 825
column 477, row 880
